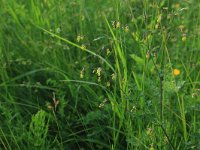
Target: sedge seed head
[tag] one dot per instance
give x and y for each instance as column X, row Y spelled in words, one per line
column 184, row 38
column 99, row 69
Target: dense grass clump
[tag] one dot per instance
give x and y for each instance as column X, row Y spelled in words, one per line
column 85, row 74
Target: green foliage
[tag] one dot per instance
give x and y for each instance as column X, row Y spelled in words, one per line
column 38, row 129
column 79, row 74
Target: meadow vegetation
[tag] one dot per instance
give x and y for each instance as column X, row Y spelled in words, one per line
column 100, row 74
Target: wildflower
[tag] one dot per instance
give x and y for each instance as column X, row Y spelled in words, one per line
column 176, row 72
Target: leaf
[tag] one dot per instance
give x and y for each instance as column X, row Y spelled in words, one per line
column 139, row 60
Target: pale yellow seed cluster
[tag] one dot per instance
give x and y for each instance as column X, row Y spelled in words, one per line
column 98, row 72
column 166, row 140
column 82, row 17
column 116, row 24
column 103, row 103
column 147, row 54
column 149, row 131
column 82, row 73
column 158, row 21
column 151, row 147
column 181, row 27
column 79, row 38
column 184, row 38
column 108, row 51
column 113, row 76
column 83, row 47
column 133, row 109
column 108, row 84
column 126, row 29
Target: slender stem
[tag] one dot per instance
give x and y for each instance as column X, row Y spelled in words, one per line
column 170, row 142
column 161, row 90
column 161, row 97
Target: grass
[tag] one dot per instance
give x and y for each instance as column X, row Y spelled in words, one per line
column 99, row 75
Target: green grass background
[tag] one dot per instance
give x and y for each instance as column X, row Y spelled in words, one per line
column 98, row 74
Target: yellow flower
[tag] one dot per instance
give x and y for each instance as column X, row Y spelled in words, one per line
column 176, row 72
